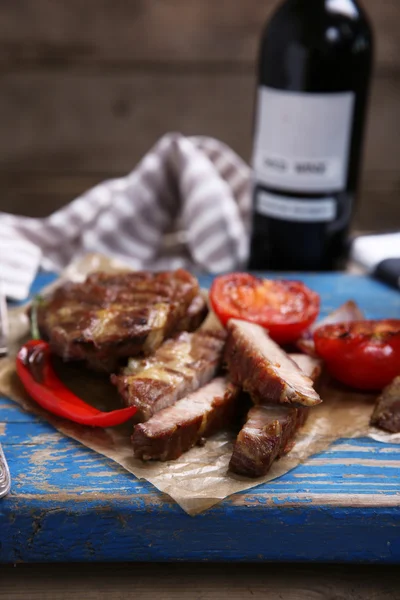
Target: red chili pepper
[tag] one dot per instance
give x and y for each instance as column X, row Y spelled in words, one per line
column 42, row 384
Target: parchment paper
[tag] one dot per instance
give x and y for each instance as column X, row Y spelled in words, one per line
column 198, row 479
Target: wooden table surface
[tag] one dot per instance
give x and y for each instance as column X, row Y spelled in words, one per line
column 199, row 582
column 68, row 503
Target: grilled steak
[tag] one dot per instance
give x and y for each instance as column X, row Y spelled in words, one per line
column 263, row 369
column 310, row 366
column 110, row 317
column 196, row 313
column 265, row 437
column 176, row 429
column 179, row 366
column 387, row 409
column 269, row 431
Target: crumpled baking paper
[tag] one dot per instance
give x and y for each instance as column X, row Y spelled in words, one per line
column 199, row 479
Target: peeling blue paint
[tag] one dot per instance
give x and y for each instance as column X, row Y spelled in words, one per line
column 70, row 504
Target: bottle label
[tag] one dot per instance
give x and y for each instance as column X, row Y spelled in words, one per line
column 313, row 210
column 302, row 140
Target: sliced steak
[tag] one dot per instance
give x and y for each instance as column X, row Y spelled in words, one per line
column 263, row 369
column 176, row 429
column 178, row 367
column 110, row 317
column 387, row 409
column 265, row 437
column 269, row 431
column 310, row 366
column 196, row 313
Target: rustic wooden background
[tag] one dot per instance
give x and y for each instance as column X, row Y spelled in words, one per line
column 87, row 86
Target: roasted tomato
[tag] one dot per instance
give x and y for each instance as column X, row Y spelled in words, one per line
column 362, row 354
column 285, row 308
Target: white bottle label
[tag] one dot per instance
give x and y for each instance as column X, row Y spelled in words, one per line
column 313, row 210
column 302, row 140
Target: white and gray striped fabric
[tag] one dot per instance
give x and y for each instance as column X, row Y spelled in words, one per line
column 186, row 204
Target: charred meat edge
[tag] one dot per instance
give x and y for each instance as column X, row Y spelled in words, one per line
column 196, row 313
column 180, row 366
column 265, row 437
column 110, row 317
column 269, row 431
column 257, row 364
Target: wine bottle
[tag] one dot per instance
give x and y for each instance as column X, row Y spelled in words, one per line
column 314, row 72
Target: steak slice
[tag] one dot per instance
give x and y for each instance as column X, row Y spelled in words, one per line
column 196, row 313
column 269, row 431
column 263, row 369
column 179, row 366
column 310, row 366
column 265, row 437
column 387, row 409
column 110, row 317
column 174, row 430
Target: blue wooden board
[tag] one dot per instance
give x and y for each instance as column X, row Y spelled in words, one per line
column 69, row 504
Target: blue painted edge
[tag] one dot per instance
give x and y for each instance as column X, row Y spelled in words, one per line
column 92, row 531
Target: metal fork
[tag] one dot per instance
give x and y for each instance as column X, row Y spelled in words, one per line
column 5, row 480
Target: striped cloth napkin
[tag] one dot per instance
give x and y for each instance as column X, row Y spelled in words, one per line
column 186, row 204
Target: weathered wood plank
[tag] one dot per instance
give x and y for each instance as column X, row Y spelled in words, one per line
column 69, row 504
column 44, row 462
column 63, row 133
column 116, row 32
column 105, row 123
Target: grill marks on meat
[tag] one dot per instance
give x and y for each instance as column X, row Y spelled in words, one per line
column 387, row 410
column 174, row 430
column 178, row 367
column 269, row 431
column 263, row 369
column 113, row 316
